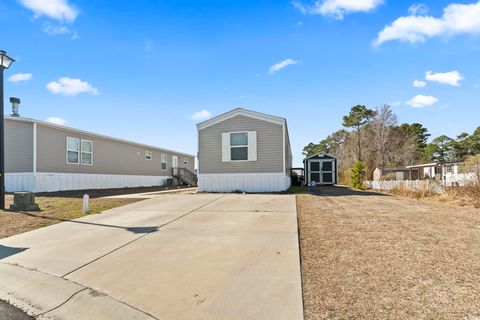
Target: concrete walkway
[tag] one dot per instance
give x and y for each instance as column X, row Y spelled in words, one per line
column 175, row 256
column 149, row 195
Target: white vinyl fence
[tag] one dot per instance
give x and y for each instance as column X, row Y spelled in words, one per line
column 459, row 179
column 434, row 186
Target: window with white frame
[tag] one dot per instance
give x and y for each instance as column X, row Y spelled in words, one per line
column 163, row 162
column 449, row 168
column 148, row 155
column 238, row 146
column 73, row 150
column 185, row 161
column 87, row 152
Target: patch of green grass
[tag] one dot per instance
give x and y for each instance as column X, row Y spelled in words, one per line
column 299, row 190
column 52, row 210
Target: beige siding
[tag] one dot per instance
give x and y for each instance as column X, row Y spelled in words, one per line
column 288, row 153
column 109, row 156
column 18, row 146
column 269, row 147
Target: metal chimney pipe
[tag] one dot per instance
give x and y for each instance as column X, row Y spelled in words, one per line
column 15, row 102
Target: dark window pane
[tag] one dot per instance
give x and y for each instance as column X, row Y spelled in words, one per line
column 239, row 139
column 314, row 166
column 327, row 177
column 239, row 153
column 86, row 158
column 315, row 177
column 72, row 157
column 327, row 166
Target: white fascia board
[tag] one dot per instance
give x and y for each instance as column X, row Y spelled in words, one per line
column 433, row 164
column 243, row 112
column 78, row 131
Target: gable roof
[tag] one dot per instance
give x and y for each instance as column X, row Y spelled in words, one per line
column 240, row 112
column 321, row 154
column 78, row 131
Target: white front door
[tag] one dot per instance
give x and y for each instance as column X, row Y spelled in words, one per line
column 175, row 165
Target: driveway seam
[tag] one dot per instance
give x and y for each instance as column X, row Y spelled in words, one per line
column 61, row 304
column 140, row 237
column 84, row 287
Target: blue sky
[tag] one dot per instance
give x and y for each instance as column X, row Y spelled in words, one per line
column 140, row 70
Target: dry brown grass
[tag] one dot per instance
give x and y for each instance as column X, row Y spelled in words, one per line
column 468, row 195
column 384, row 257
column 423, row 191
column 53, row 210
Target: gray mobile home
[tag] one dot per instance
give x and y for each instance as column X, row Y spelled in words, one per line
column 44, row 157
column 244, row 150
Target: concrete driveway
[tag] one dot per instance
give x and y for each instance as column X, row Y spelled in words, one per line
column 179, row 256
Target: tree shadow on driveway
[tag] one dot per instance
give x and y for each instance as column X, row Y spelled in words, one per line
column 136, row 230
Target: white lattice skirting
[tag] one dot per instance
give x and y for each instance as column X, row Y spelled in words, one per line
column 50, row 182
column 254, row 182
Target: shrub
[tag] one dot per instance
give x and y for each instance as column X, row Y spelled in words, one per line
column 357, row 175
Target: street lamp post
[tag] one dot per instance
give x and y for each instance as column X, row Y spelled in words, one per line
column 5, row 62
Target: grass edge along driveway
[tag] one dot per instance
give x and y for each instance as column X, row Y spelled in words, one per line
column 373, row 256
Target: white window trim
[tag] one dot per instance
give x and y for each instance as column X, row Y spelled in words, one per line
column 241, row 146
column 91, row 152
column 162, row 162
column 150, row 153
column 78, row 151
column 185, row 161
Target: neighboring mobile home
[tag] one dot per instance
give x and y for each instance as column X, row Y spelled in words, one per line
column 321, row 169
column 243, row 150
column 44, row 157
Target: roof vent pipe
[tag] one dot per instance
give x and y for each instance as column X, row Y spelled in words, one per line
column 15, row 102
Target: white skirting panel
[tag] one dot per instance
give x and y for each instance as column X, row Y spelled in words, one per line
column 255, row 182
column 49, row 182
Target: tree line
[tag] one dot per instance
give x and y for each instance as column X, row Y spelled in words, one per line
column 373, row 138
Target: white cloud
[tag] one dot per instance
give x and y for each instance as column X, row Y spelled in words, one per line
column 57, row 120
column 55, row 30
column 395, row 103
column 418, row 9
column 71, row 87
column 59, row 10
column 421, row 101
column 20, row 77
column 419, row 84
column 279, row 66
column 337, row 8
column 456, row 19
column 452, row 78
column 201, row 115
